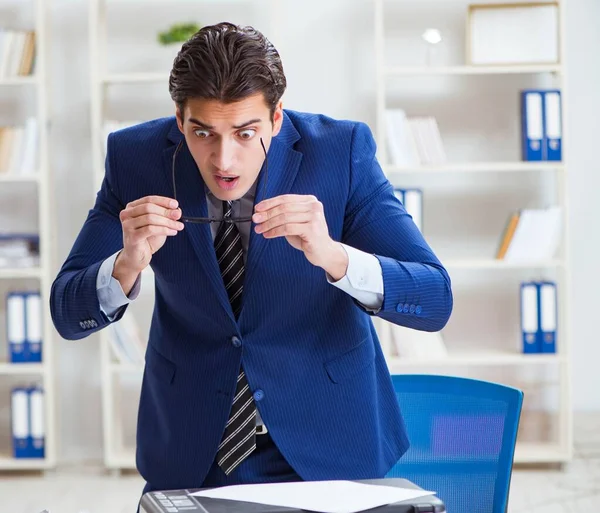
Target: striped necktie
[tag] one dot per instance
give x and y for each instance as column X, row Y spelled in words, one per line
column 239, row 439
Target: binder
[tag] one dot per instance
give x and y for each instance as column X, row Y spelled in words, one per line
column 553, row 125
column 20, row 422
column 530, row 325
column 548, row 316
column 15, row 327
column 532, row 119
column 412, row 199
column 37, row 430
column 33, row 327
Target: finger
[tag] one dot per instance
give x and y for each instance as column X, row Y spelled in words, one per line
column 286, row 230
column 283, row 219
column 282, row 209
column 149, row 208
column 141, row 234
column 285, row 198
column 162, row 201
column 152, row 220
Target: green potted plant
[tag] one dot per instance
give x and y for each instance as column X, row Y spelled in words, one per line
column 178, row 33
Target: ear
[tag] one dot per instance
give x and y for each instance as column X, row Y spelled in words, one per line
column 278, row 118
column 179, row 116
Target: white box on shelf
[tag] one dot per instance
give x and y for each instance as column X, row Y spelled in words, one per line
column 511, row 34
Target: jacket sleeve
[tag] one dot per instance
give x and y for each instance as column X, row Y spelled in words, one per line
column 74, row 303
column 417, row 290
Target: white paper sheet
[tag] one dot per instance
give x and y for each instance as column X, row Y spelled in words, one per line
column 321, row 496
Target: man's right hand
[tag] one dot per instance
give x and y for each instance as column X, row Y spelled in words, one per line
column 146, row 223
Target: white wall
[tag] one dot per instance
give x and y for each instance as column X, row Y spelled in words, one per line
column 328, row 55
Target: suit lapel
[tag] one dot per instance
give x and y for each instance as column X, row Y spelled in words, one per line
column 284, row 163
column 192, row 200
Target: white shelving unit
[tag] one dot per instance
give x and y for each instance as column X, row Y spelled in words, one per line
column 118, row 454
column 506, row 357
column 41, row 373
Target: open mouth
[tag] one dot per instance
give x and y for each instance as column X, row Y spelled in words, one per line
column 227, row 182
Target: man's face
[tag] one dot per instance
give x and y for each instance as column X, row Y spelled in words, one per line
column 224, row 140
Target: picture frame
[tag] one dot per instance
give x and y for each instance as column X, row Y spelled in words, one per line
column 512, row 34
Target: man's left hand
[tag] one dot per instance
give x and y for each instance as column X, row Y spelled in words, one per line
column 300, row 219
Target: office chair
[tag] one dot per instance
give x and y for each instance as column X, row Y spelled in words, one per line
column 462, row 434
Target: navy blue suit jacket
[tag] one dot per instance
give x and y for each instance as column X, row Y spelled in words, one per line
column 311, row 349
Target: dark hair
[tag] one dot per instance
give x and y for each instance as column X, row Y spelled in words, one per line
column 228, row 63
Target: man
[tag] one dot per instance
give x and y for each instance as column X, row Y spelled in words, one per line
column 274, row 237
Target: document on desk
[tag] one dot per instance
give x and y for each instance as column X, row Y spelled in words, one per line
column 321, row 496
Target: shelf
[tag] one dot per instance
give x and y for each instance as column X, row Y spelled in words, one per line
column 126, row 368
column 527, row 452
column 471, row 70
column 13, row 177
column 9, row 81
column 9, row 463
column 478, row 167
column 18, row 369
column 20, row 272
column 475, row 358
column 135, row 78
column 492, row 264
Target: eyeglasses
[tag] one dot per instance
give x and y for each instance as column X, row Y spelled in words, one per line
column 228, row 219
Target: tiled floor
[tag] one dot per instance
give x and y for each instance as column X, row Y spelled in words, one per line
column 574, row 489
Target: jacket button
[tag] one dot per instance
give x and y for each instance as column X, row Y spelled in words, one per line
column 412, row 308
column 82, row 325
column 236, row 342
column 406, row 308
column 418, row 310
column 258, row 395
column 399, row 307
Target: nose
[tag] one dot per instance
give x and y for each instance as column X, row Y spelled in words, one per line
column 223, row 157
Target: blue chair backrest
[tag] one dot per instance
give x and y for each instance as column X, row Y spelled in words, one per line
column 462, row 433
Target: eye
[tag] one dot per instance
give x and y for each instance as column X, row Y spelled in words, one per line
column 247, row 134
column 201, row 134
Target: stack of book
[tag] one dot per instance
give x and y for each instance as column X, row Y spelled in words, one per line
column 19, row 250
column 17, row 53
column 531, row 235
column 413, row 141
column 18, row 148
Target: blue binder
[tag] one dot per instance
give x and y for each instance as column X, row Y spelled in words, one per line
column 15, row 327
column 553, row 124
column 33, row 327
column 412, row 199
column 37, row 429
column 548, row 316
column 530, row 317
column 532, row 119
column 20, row 422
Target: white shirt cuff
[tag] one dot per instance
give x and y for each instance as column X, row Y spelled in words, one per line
column 110, row 293
column 363, row 279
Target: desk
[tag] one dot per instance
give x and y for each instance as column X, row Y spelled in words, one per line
column 151, row 502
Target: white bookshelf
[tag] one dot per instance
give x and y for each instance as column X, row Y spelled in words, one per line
column 118, row 455
column 41, row 373
column 430, row 80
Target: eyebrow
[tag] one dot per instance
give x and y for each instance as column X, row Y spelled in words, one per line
column 209, row 127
